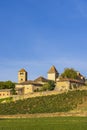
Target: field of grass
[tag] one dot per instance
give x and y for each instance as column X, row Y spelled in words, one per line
column 53, row 123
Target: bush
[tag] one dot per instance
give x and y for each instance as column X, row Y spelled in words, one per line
column 49, row 86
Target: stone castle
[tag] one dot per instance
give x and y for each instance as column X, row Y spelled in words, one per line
column 25, row 86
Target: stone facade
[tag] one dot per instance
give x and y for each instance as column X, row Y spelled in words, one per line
column 5, row 93
column 62, row 85
column 27, row 87
column 53, row 74
column 24, row 89
column 68, row 84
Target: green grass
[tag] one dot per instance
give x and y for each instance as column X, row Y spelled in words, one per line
column 53, row 123
column 7, row 100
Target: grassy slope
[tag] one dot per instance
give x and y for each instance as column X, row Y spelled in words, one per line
column 48, row 104
column 57, row 123
column 81, row 108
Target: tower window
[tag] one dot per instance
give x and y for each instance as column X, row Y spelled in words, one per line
column 21, row 73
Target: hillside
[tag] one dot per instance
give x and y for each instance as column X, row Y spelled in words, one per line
column 64, row 102
column 81, row 108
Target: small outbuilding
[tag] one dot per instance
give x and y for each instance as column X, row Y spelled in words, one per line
column 5, row 93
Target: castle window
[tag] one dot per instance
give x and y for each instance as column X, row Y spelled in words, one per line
column 21, row 79
column 21, row 73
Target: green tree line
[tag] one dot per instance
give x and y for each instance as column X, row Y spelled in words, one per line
column 7, row 85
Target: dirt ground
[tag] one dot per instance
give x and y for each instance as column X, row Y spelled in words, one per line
column 78, row 114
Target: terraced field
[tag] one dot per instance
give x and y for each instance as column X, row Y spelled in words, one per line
column 64, row 102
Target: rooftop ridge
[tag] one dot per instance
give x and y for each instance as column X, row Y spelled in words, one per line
column 41, row 78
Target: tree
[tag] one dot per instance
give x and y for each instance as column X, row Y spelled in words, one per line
column 7, row 85
column 49, row 86
column 69, row 73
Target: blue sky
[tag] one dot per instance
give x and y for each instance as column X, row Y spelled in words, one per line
column 36, row 34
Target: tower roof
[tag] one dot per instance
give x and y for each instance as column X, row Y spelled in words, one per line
column 22, row 70
column 53, row 70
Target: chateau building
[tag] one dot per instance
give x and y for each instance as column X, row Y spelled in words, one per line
column 25, row 86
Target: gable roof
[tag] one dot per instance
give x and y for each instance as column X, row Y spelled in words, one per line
column 41, row 79
column 29, row 82
column 22, row 70
column 53, row 70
